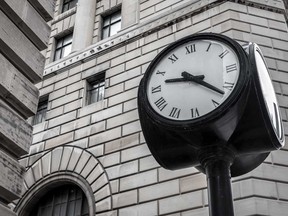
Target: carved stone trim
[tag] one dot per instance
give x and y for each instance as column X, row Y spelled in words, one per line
column 66, row 164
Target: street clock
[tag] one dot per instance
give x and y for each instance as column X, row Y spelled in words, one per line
column 203, row 95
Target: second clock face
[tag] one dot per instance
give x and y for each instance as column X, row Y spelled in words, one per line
column 269, row 94
column 193, row 79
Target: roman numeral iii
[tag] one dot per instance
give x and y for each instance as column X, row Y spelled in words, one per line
column 230, row 68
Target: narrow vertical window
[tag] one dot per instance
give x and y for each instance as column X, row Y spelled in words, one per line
column 111, row 24
column 95, row 89
column 41, row 111
column 63, row 47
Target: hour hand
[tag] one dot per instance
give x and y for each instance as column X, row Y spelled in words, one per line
column 200, row 77
column 193, row 78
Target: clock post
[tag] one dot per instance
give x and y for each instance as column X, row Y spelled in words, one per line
column 206, row 102
column 217, row 163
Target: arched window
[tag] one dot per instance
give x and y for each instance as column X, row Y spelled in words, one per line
column 65, row 200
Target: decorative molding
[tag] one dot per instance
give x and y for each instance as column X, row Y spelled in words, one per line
column 66, row 164
column 64, row 15
column 131, row 34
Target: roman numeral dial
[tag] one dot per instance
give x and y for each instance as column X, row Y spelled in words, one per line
column 192, row 79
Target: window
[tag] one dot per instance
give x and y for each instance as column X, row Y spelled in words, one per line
column 111, row 24
column 63, row 47
column 68, row 4
column 95, row 89
column 41, row 111
column 67, row 200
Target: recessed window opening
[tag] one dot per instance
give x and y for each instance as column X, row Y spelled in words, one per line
column 68, row 4
column 111, row 24
column 40, row 115
column 95, row 89
column 66, row 200
column 63, row 47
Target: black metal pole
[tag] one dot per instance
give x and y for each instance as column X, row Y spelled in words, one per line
column 219, row 188
column 216, row 161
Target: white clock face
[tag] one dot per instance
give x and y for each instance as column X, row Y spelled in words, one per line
column 269, row 94
column 193, row 79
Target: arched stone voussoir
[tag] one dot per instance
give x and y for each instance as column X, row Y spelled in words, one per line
column 66, row 161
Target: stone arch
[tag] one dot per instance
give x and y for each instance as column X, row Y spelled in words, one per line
column 68, row 164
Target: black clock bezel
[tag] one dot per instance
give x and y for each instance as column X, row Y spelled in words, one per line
column 277, row 141
column 216, row 113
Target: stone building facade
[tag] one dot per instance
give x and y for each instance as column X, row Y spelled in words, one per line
column 24, row 32
column 88, row 149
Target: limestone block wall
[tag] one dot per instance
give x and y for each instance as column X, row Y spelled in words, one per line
column 23, row 34
column 130, row 182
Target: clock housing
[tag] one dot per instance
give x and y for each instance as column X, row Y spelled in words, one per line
column 214, row 59
column 174, row 142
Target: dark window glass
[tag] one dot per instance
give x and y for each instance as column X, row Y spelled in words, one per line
column 41, row 111
column 95, row 90
column 68, row 4
column 67, row 200
column 111, row 24
column 63, row 47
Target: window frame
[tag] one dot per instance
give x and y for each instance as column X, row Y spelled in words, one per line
column 54, row 200
column 97, row 84
column 41, row 111
column 70, row 4
column 64, row 44
column 111, row 23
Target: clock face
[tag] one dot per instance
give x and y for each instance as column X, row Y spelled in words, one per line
column 193, row 79
column 268, row 93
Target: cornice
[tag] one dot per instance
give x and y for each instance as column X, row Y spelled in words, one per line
column 143, row 29
column 131, row 34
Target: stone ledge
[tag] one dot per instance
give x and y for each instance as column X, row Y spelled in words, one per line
column 11, row 178
column 16, row 133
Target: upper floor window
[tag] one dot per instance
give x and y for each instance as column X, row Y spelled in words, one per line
column 111, row 24
column 68, row 4
column 41, row 111
column 63, row 47
column 95, row 89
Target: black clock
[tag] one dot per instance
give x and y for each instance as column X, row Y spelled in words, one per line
column 194, row 79
column 204, row 96
column 191, row 97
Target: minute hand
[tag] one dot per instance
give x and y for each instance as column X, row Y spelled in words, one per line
column 192, row 78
